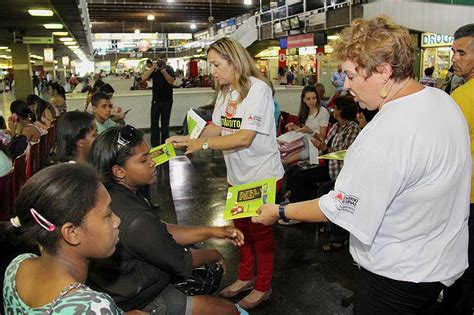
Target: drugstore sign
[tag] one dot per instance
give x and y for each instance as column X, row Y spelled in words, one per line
column 435, row 40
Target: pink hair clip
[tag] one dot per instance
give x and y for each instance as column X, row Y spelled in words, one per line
column 38, row 218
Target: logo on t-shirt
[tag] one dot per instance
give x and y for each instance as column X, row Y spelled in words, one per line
column 346, row 202
column 254, row 120
column 233, row 123
column 230, row 109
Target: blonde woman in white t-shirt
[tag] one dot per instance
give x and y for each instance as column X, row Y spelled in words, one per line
column 243, row 126
column 313, row 119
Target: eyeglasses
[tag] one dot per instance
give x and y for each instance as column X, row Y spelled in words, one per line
column 126, row 135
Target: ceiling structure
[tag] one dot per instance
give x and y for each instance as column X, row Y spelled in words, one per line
column 16, row 19
column 125, row 16
column 113, row 16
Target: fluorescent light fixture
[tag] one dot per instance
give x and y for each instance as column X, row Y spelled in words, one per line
column 66, row 39
column 3, row 47
column 193, row 26
column 60, row 33
column 70, row 43
column 169, row 0
column 247, row 2
column 137, row 31
column 43, row 12
column 53, row 26
column 150, row 17
column 73, row 47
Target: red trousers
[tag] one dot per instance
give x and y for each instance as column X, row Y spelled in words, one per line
column 258, row 242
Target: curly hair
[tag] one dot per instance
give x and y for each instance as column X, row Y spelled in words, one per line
column 371, row 43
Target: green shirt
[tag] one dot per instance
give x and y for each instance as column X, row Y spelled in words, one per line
column 82, row 301
column 101, row 127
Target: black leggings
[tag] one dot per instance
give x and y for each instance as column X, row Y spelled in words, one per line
column 380, row 295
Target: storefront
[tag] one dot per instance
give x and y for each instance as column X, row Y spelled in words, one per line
column 436, row 52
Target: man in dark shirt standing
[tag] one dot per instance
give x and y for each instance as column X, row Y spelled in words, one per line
column 163, row 77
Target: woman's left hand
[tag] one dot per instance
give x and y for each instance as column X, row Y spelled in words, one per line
column 231, row 233
column 267, row 214
column 319, row 144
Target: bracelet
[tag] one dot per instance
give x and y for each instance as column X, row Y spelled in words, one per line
column 281, row 211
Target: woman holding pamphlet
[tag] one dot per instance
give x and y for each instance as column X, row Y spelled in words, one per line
column 243, row 126
column 150, row 252
column 403, row 192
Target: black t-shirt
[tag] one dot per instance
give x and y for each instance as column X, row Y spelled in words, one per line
column 162, row 90
column 146, row 256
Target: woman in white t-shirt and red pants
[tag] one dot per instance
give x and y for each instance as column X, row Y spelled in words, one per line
column 243, row 126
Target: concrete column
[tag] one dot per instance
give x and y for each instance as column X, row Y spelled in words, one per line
column 61, row 72
column 22, row 70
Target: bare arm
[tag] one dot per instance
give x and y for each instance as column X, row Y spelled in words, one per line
column 187, row 235
column 305, row 129
column 241, row 139
column 147, row 74
column 211, row 130
column 170, row 79
column 323, row 131
column 307, row 211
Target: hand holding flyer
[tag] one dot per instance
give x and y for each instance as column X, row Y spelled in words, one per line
column 244, row 200
column 195, row 124
column 162, row 153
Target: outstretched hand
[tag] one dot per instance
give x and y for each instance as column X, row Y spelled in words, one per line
column 231, row 233
column 191, row 145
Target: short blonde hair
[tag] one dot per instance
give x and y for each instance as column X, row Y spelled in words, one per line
column 235, row 54
column 370, row 43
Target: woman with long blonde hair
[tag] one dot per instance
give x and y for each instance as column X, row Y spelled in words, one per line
column 243, row 126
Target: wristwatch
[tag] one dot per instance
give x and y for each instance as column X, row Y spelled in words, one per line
column 205, row 145
column 281, row 211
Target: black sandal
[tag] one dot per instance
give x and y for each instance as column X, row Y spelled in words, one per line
column 333, row 247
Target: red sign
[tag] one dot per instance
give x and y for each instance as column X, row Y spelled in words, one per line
column 303, row 40
column 282, row 58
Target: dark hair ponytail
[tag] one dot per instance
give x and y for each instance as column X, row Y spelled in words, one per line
column 72, row 126
column 60, row 193
column 21, row 110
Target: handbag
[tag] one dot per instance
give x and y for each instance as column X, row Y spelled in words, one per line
column 289, row 148
column 203, row 280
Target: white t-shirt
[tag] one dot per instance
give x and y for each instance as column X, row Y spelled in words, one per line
column 261, row 159
column 318, row 120
column 403, row 192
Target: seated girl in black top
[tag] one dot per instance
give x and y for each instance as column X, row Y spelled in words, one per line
column 150, row 251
